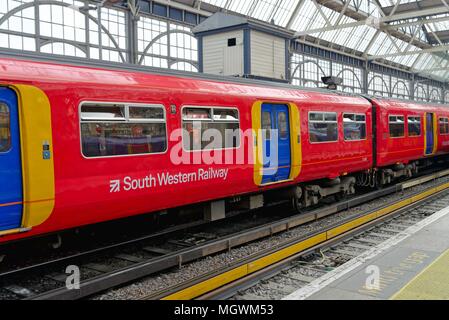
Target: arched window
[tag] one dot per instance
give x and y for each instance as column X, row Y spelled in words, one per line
column 377, row 85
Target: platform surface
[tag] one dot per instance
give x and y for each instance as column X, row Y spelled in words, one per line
column 412, row 265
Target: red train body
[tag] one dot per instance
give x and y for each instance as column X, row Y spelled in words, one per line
column 63, row 188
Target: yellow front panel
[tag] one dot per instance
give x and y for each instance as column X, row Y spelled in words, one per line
column 38, row 174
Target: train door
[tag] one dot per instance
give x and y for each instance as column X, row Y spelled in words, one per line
column 11, row 197
column 430, row 138
column 276, row 144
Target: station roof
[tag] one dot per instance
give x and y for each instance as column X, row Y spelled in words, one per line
column 410, row 35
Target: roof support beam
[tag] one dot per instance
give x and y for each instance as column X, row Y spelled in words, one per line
column 407, row 53
column 182, row 6
column 318, row 7
column 378, row 23
column 342, row 12
column 295, row 14
column 413, row 23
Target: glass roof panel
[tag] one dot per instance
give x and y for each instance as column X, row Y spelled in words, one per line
column 422, row 61
column 382, row 45
column 242, row 7
column 308, row 18
column 356, row 38
column 440, row 74
column 388, row 3
column 440, row 25
column 284, row 12
column 218, row 3
column 263, row 9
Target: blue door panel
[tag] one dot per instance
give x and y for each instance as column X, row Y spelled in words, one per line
column 429, row 133
column 276, row 146
column 10, row 217
column 283, row 126
column 11, row 197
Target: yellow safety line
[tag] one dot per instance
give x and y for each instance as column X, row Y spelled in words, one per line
column 430, row 284
column 251, row 267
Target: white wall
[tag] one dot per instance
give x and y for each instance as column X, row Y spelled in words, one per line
column 220, row 59
column 267, row 55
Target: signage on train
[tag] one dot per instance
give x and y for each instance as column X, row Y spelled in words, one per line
column 165, row 179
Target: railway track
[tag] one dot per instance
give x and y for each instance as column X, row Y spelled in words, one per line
column 118, row 264
column 342, row 241
column 279, row 280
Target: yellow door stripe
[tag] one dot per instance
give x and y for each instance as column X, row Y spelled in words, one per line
column 38, row 173
column 295, row 141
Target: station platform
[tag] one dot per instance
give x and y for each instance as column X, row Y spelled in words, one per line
column 412, row 265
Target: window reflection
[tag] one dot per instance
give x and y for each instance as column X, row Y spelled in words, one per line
column 145, row 133
column 5, row 131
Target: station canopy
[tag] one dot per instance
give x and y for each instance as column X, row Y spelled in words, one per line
column 407, row 34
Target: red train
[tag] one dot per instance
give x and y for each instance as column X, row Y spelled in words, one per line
column 82, row 145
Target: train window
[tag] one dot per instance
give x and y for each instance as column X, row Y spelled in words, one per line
column 354, row 126
column 444, row 125
column 323, row 127
column 226, row 115
column 145, row 113
column 414, row 126
column 99, row 112
column 118, row 130
column 5, row 131
column 282, row 120
column 396, row 126
column 210, row 128
column 266, row 124
column 197, row 114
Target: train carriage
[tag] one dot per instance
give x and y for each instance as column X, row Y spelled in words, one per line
column 82, row 145
column 407, row 133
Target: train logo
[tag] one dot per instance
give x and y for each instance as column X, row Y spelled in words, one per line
column 114, row 186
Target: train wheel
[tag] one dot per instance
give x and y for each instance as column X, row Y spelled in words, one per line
column 297, row 199
column 296, row 204
column 58, row 243
column 340, row 196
